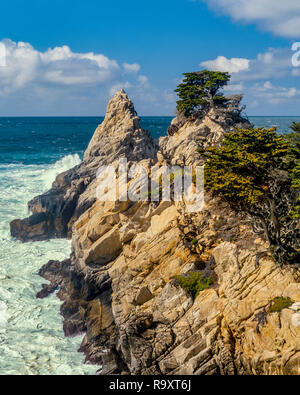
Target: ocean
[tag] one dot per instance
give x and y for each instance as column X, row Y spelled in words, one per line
column 32, row 152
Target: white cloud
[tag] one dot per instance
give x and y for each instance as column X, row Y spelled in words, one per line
column 233, row 65
column 131, row 68
column 234, row 88
column 274, row 94
column 273, row 63
column 267, row 80
column 59, row 80
column 170, row 96
column 143, row 79
column 279, row 17
column 268, row 85
column 60, row 66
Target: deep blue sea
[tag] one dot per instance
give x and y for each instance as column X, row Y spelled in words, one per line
column 37, row 141
column 32, row 152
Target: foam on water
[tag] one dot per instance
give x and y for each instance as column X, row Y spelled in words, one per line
column 64, row 164
column 31, row 336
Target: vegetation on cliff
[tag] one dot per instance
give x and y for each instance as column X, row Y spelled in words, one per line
column 200, row 91
column 294, row 139
column 279, row 303
column 250, row 170
column 256, row 170
column 194, row 283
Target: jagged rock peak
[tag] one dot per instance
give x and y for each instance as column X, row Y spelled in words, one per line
column 120, row 104
column 121, row 128
column 73, row 192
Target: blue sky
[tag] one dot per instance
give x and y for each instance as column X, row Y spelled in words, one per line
column 68, row 57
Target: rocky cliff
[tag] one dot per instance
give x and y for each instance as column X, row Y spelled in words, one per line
column 73, row 192
column 121, row 285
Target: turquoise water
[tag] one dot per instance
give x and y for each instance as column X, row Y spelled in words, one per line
column 32, row 152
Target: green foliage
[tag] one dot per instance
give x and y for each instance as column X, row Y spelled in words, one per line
column 200, row 91
column 251, row 169
column 279, row 303
column 194, row 283
column 240, row 167
column 294, row 140
column 296, row 128
column 296, row 185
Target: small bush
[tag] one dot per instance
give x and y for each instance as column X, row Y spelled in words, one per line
column 194, row 282
column 280, row 303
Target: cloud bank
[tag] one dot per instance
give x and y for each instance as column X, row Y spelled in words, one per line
column 59, row 81
column 59, row 66
column 279, row 17
column 59, row 78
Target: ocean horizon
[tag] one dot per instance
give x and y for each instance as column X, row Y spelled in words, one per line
column 39, row 140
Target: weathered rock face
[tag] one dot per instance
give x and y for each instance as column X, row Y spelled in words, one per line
column 186, row 136
column 120, row 135
column 139, row 320
column 119, row 284
column 73, row 192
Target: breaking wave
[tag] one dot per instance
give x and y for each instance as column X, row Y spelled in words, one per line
column 31, row 336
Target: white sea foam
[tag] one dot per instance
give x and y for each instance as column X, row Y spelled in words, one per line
column 64, row 164
column 3, row 319
column 33, row 341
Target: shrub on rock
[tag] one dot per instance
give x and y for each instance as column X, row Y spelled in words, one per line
column 249, row 169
